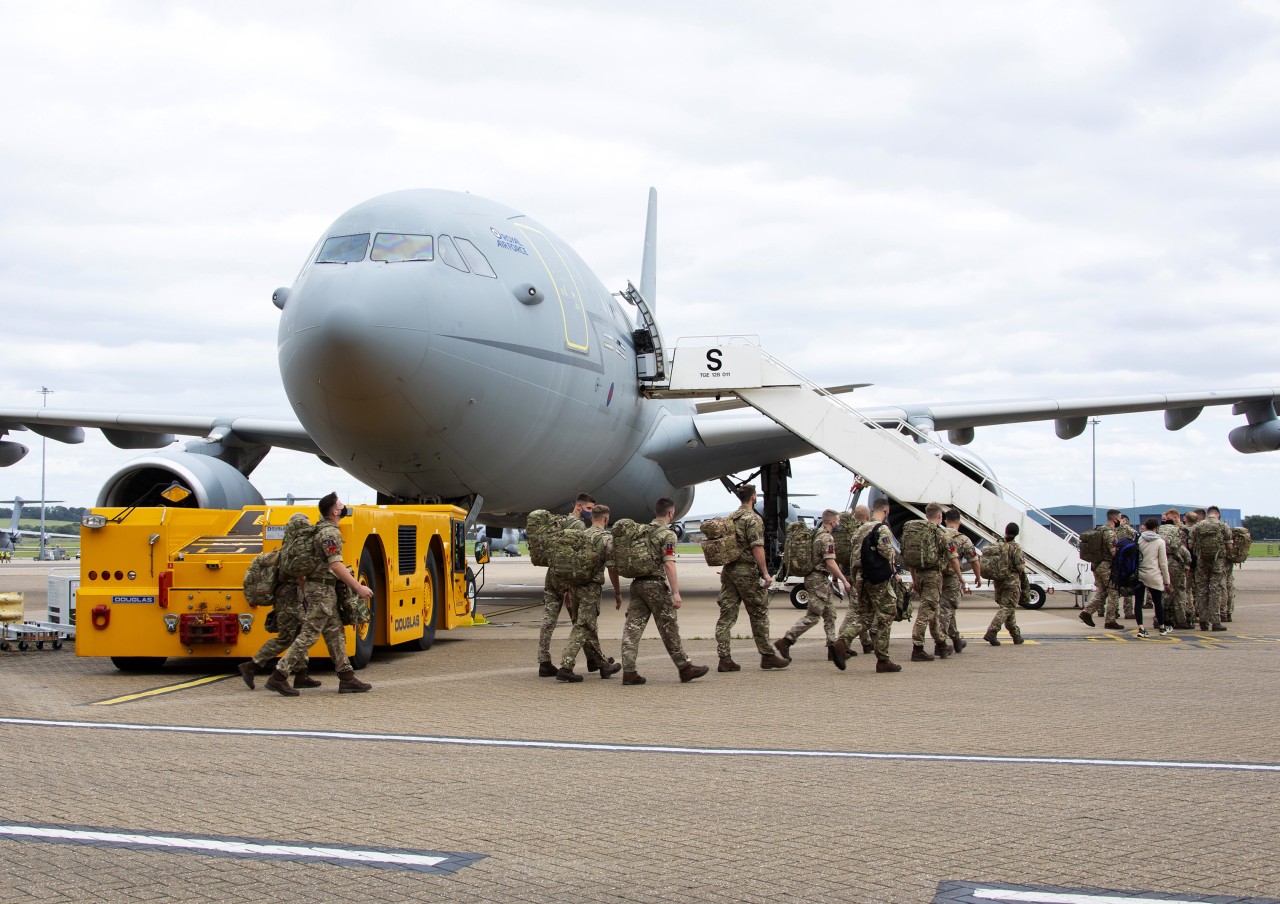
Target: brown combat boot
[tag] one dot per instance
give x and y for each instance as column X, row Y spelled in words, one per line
column 783, row 646
column 868, row 647
column 348, row 683
column 610, row 668
column 1218, row 627
column 887, row 665
column 302, row 679
column 247, row 671
column 632, row 678
column 941, row 649
column 563, row 674
column 959, row 643
column 728, row 665
column 279, row 682
column 1017, row 637
column 689, row 671
column 919, row 655
column 547, row 670
column 1087, row 618
column 839, row 653
column 774, row 661
column 1113, row 625
column 990, row 637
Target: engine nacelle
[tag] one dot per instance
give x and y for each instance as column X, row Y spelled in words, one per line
column 1264, row 437
column 213, row 483
column 11, row 453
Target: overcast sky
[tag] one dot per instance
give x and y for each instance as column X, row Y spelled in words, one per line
column 949, row 200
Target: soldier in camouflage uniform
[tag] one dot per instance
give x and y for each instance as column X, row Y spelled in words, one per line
column 320, row 601
column 657, row 597
column 1124, row 531
column 1103, row 592
column 859, row 608
column 586, row 600
column 555, row 596
column 818, row 584
column 1211, row 544
column 743, row 584
column 287, row 605
column 1010, row 590
column 879, row 598
column 952, row 587
column 1175, row 601
column 928, row 586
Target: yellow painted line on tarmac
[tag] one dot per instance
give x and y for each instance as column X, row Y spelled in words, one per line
column 155, row 692
column 512, row 609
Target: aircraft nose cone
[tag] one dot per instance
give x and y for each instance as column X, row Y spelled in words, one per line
column 356, row 341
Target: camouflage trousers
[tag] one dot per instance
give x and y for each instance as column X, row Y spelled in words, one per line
column 1103, row 593
column 818, row 585
column 880, row 606
column 586, row 600
column 740, row 587
column 1211, row 592
column 321, row 620
column 1229, row 604
column 859, row 610
column 1008, row 593
column 554, row 590
column 1127, row 606
column 928, row 587
column 948, row 603
column 651, row 597
column 289, row 616
column 1176, row 611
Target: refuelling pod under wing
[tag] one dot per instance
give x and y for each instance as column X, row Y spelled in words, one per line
column 213, row 483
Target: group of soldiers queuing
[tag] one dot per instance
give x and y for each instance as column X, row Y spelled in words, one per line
column 870, row 583
column 1201, row 590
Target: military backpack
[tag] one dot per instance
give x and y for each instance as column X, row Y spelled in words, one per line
column 261, row 578
column 575, row 556
column 797, row 549
column 995, row 564
column 539, row 527
column 1095, row 548
column 720, row 544
column 1241, row 540
column 843, row 537
column 1209, row 540
column 920, row 546
column 298, row 554
column 633, row 549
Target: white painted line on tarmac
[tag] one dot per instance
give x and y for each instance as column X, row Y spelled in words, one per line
column 590, row 747
column 383, row 858
column 1048, row 897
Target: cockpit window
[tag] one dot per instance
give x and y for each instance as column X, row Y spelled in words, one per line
column 449, row 254
column 394, row 247
column 473, row 256
column 343, row 249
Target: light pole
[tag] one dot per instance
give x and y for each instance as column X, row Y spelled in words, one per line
column 44, row 391
column 1093, row 422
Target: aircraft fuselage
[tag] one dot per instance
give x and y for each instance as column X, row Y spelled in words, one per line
column 439, row 345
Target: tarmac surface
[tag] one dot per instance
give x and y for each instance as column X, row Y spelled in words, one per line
column 1084, row 765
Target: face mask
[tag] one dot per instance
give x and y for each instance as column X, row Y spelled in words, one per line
column 586, row 517
column 346, row 512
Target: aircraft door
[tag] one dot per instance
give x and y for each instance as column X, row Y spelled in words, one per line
column 568, row 288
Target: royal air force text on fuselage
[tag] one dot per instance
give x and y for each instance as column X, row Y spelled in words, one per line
column 509, row 242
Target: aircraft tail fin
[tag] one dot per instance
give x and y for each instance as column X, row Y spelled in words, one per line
column 17, row 515
column 649, row 267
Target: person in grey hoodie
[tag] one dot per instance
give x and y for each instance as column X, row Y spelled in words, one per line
column 1153, row 575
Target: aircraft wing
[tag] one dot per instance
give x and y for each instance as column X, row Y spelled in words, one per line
column 152, row 431
column 707, row 446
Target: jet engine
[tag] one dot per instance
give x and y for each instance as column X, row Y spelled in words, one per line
column 1264, row 437
column 213, row 483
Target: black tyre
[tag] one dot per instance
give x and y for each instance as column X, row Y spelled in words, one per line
column 799, row 596
column 471, row 590
column 370, row 574
column 137, row 663
column 1038, row 597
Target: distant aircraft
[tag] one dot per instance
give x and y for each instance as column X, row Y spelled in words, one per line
column 11, row 538
column 438, row 346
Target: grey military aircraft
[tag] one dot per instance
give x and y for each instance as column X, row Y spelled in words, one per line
column 438, row 346
column 11, row 538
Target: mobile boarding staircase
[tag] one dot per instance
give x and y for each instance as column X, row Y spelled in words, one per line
column 904, row 462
